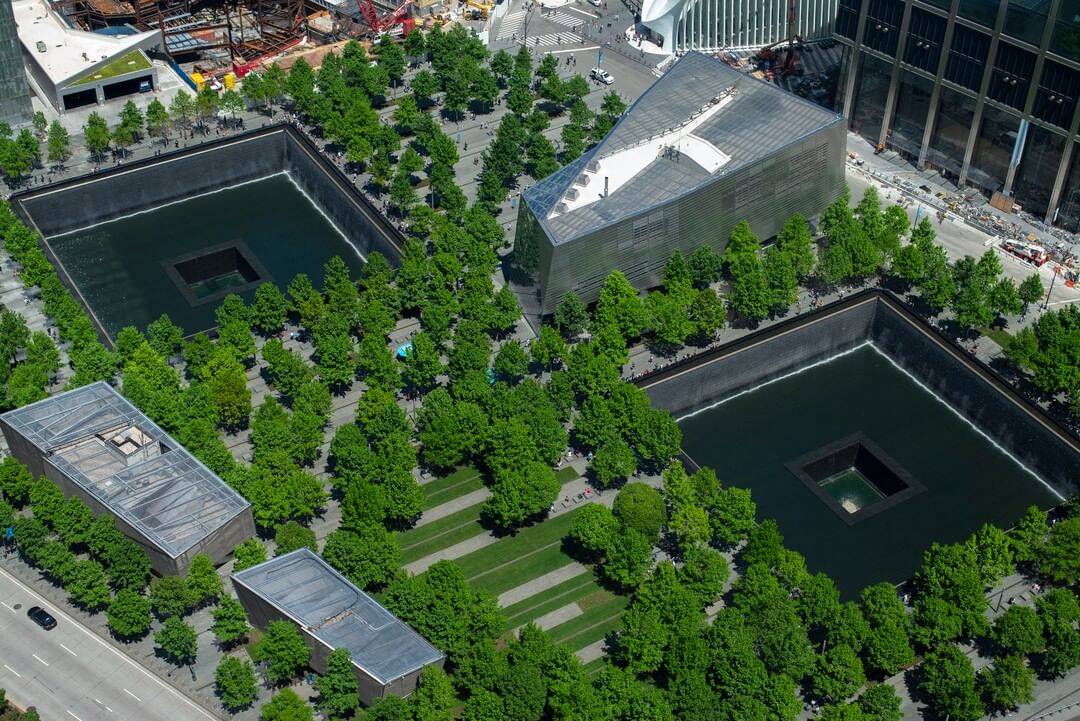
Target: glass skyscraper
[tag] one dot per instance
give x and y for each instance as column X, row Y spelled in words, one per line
column 983, row 90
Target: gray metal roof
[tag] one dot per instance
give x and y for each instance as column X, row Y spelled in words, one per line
column 759, row 120
column 154, row 484
column 328, row 606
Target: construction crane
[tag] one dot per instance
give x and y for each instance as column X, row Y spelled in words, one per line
column 792, row 28
column 381, row 23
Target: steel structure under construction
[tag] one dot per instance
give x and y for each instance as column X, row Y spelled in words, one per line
column 98, row 447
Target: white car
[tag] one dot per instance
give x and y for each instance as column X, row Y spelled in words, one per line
column 601, row 75
column 595, row 3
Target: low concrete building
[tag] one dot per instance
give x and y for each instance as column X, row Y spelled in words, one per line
column 70, row 68
column 332, row 613
column 97, row 446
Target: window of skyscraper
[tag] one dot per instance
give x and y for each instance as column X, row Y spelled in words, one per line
column 1038, row 169
column 909, row 118
column 872, row 89
column 1011, row 77
column 955, row 114
column 1055, row 100
column 883, row 25
column 1066, row 39
column 967, row 57
column 1068, row 212
column 1025, row 19
column 983, row 12
column 993, row 148
column 925, row 34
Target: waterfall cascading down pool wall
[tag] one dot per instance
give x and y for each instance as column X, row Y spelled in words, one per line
column 136, row 190
column 968, row 387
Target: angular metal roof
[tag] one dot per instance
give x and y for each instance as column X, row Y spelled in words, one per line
column 700, row 121
column 328, row 606
column 141, row 474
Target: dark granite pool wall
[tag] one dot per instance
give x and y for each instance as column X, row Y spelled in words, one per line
column 972, row 389
column 760, row 357
column 216, row 164
column 979, row 394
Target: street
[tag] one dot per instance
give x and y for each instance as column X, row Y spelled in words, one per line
column 71, row 673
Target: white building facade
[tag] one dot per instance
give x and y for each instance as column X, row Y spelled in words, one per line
column 710, row 25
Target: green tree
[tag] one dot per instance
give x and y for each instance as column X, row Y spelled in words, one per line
column 234, row 683
column 1031, row 290
column 838, row 673
column 368, row 555
column 880, row 703
column 628, row 559
column 203, row 581
column 285, row 706
column 178, row 641
column 571, row 315
column 781, row 279
column 58, row 144
column 593, row 530
column 269, row 309
column 230, row 622
column 511, row 362
column 521, row 493
column 433, row 698
column 1018, row 631
column 15, row 481
column 993, row 553
column 157, row 119
column 283, row 650
column 947, row 681
column 612, row 462
column 1006, row 684
column 169, row 596
column 96, row 135
column 1059, row 558
column 228, row 388
column 751, row 296
column 291, row 536
column 129, row 614
column 339, row 694
column 795, row 242
column 249, row 553
column 641, row 507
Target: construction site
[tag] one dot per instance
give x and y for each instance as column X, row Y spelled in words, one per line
column 216, row 37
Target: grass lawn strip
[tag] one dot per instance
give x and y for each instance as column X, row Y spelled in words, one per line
column 1002, row 337
column 436, row 529
column 592, row 625
column 558, row 595
column 594, row 667
column 514, row 548
column 513, row 573
column 444, row 493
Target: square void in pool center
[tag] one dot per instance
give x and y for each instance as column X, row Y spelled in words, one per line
column 182, row 258
column 209, row 275
column 955, row 478
column 855, row 478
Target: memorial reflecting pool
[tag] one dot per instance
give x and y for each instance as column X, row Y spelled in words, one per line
column 776, row 441
column 182, row 258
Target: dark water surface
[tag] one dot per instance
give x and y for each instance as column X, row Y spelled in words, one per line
column 748, row 439
column 120, row 266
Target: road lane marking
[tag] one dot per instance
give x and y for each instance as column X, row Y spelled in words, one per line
column 73, row 715
column 132, row 695
column 39, row 658
column 9, row 668
column 127, row 659
column 99, row 703
column 8, row 607
column 68, row 650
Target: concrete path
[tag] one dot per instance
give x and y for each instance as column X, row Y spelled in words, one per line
column 557, row 617
column 453, row 506
column 451, row 552
column 591, row 652
column 541, row 583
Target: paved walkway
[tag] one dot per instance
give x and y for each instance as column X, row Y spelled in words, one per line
column 591, row 652
column 541, row 583
column 559, row 616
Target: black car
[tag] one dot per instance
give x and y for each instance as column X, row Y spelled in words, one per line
column 42, row 617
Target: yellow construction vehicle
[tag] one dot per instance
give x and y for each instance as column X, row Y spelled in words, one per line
column 477, row 9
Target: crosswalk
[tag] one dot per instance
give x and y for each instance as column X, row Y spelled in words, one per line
column 511, row 24
column 566, row 38
column 565, row 19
